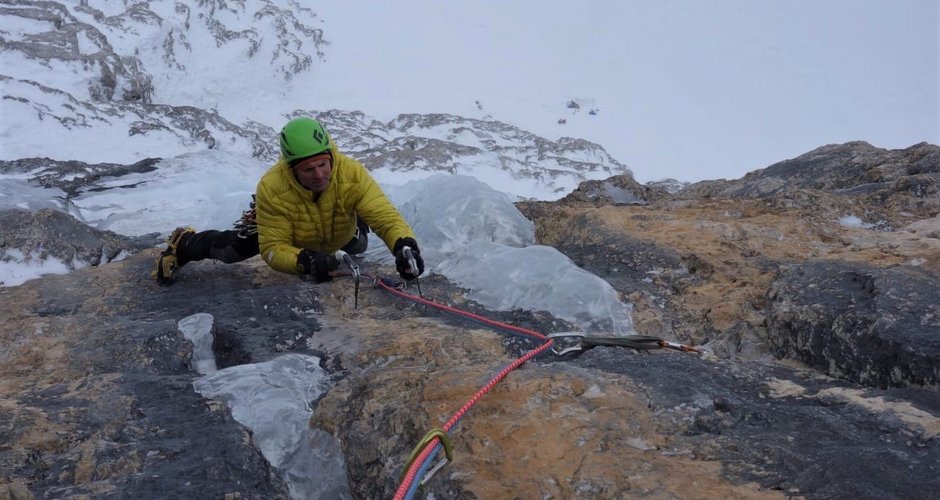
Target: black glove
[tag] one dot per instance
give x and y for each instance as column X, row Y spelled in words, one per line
column 316, row 264
column 401, row 262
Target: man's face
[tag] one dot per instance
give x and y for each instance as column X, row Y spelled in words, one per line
column 314, row 173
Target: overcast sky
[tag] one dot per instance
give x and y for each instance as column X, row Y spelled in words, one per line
column 683, row 88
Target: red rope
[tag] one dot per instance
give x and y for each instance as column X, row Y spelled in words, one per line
column 452, row 310
column 426, row 452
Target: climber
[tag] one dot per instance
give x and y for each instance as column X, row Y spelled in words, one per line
column 311, row 203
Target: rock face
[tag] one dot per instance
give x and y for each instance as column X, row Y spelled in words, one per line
column 885, row 188
column 617, row 190
column 697, row 265
column 97, row 400
column 48, row 233
column 878, row 327
column 830, row 258
column 97, row 394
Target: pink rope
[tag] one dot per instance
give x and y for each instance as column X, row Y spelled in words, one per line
column 426, row 452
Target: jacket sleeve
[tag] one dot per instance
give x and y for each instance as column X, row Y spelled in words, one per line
column 275, row 232
column 376, row 209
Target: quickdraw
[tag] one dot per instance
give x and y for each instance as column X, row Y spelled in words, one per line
column 568, row 342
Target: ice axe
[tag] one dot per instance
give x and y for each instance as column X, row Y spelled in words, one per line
column 412, row 266
column 345, row 258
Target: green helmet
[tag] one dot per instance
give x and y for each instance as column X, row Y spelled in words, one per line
column 303, row 137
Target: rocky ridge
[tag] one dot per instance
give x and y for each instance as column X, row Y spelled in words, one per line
column 699, row 264
column 97, row 397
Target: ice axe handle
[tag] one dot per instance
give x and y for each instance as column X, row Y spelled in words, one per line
column 410, row 257
column 345, row 258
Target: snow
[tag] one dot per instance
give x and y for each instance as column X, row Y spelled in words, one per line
column 684, row 89
column 851, row 221
column 16, row 192
column 17, row 268
column 206, row 190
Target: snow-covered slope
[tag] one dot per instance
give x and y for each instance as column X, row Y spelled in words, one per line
column 679, row 89
column 108, row 83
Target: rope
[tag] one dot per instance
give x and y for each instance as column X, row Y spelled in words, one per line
column 383, row 284
column 431, row 444
column 418, row 467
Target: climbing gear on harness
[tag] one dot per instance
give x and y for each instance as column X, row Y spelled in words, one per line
column 345, row 258
column 169, row 262
column 247, row 225
column 576, row 341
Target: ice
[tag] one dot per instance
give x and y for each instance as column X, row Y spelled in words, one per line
column 271, row 398
column 206, row 190
column 274, row 399
column 455, row 210
column 476, row 237
column 16, row 192
column 539, row 278
column 466, row 230
column 197, row 329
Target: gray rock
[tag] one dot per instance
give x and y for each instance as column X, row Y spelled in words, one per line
column 884, row 187
column 616, row 190
column 51, row 233
column 812, row 440
column 879, row 327
column 72, row 177
column 121, row 402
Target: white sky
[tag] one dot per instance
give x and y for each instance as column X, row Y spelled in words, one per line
column 685, row 88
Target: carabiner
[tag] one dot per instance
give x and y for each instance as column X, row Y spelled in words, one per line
column 567, row 335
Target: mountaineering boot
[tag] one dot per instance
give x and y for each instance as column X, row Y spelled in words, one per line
column 169, row 262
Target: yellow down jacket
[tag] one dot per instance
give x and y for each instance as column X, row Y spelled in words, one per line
column 290, row 217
